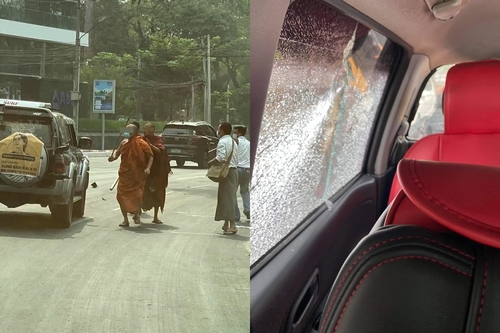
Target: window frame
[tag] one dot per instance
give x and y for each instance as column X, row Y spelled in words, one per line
column 211, row 131
column 72, row 135
column 414, row 109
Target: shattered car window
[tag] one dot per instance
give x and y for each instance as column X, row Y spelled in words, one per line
column 328, row 79
column 41, row 128
column 429, row 118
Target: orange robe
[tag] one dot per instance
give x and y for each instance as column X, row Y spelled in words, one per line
column 134, row 160
column 158, row 177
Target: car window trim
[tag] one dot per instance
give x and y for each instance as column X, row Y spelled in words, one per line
column 382, row 115
column 413, row 110
column 353, row 13
column 72, row 135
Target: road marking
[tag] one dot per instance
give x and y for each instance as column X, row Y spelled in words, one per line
column 193, row 215
column 184, row 213
column 191, row 233
column 207, row 185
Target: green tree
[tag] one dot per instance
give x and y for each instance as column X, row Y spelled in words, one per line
column 168, row 39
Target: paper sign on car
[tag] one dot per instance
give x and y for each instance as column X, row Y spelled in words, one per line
column 20, row 154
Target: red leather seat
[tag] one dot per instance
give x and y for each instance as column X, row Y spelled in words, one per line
column 472, row 120
column 439, row 274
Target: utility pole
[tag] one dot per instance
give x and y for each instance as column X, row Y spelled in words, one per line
column 205, row 117
column 75, row 94
column 192, row 98
column 43, row 60
column 209, row 84
column 89, row 24
column 227, row 112
column 138, row 111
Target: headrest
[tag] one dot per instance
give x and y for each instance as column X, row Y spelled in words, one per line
column 471, row 105
column 461, row 197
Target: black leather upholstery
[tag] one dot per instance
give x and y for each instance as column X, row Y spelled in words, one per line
column 407, row 279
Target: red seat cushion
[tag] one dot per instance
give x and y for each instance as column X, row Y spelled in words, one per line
column 472, row 120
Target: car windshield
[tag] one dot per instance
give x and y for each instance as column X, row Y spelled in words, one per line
column 179, row 130
column 40, row 127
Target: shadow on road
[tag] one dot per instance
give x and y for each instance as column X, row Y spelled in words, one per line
column 36, row 225
column 149, row 228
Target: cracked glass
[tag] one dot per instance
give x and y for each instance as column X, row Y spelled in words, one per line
column 328, row 79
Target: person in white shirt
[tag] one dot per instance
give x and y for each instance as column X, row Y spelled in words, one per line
column 243, row 171
column 226, row 195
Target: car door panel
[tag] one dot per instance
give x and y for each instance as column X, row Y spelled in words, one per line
column 322, row 245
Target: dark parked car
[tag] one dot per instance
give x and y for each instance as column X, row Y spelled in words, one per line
column 190, row 141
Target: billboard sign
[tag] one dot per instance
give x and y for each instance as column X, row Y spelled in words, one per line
column 104, row 96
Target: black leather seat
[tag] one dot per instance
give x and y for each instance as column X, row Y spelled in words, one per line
column 441, row 275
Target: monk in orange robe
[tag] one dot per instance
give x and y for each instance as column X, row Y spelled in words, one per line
column 157, row 182
column 136, row 160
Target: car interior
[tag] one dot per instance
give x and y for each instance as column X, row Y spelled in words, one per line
column 357, row 226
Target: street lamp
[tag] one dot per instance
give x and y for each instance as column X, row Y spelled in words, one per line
column 75, row 94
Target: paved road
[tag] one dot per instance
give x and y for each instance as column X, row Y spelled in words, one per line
column 184, row 276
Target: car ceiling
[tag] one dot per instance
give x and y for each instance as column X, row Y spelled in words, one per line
column 472, row 35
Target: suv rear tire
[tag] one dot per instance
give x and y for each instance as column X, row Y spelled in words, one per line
column 62, row 215
column 79, row 206
column 203, row 163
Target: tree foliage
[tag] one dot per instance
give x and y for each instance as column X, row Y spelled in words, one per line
column 155, row 51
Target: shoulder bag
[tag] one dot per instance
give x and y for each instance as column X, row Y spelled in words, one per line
column 219, row 172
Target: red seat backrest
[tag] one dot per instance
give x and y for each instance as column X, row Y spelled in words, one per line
column 443, row 196
column 471, row 120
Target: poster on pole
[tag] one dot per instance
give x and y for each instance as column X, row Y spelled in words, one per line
column 104, row 96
